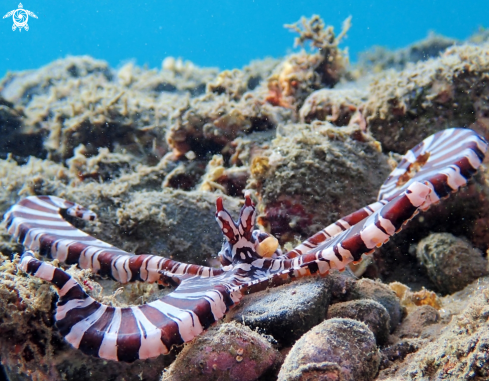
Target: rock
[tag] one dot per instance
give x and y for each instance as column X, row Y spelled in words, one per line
column 372, row 313
column 337, row 349
column 381, row 293
column 285, row 312
column 227, row 352
column 459, row 352
column 451, row 262
column 418, row 319
column 335, row 106
column 449, row 91
column 317, row 174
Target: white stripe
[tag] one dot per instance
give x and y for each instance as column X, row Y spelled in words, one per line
column 188, row 327
column 67, row 287
column 151, row 345
column 61, row 311
column 44, row 204
column 108, row 348
column 78, row 330
column 45, row 271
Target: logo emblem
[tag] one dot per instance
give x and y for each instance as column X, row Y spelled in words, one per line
column 20, row 17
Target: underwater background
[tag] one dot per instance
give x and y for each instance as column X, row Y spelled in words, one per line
column 153, row 115
column 224, row 34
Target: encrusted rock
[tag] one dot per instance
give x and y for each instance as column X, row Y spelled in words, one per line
column 337, row 349
column 332, row 105
column 449, row 91
column 381, row 293
column 452, row 263
column 416, row 321
column 317, row 174
column 285, row 312
column 372, row 313
column 229, row 352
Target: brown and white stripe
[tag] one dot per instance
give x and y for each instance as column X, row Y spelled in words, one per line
column 431, row 171
column 37, row 222
column 128, row 334
column 446, row 160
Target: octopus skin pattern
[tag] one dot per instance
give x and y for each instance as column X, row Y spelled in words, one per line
column 250, row 260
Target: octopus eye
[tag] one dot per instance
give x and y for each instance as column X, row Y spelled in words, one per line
column 267, row 247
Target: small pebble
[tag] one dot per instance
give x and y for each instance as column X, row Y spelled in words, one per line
column 229, row 352
column 451, row 262
column 370, row 312
column 418, row 319
column 336, row 349
column 285, row 312
column 381, row 293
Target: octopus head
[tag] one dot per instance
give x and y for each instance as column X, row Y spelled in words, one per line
column 242, row 243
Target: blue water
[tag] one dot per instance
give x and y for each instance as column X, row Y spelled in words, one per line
column 226, row 34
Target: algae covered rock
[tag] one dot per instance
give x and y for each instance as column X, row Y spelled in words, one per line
column 451, row 262
column 285, row 312
column 336, row 106
column 381, row 293
column 372, row 313
column 460, row 351
column 337, row 349
column 450, row 91
column 316, row 174
column 229, row 352
column 417, row 319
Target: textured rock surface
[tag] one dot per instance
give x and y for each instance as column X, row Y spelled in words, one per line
column 459, row 352
column 450, row 91
column 451, row 263
column 373, row 314
column 285, row 312
column 230, row 352
column 337, row 349
column 318, row 173
column 381, row 293
column 417, row 319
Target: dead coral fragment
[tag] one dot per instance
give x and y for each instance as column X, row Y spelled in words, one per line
column 301, row 73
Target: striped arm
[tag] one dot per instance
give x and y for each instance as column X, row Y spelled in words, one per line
column 446, row 160
column 37, row 223
column 334, row 229
column 139, row 332
column 348, row 246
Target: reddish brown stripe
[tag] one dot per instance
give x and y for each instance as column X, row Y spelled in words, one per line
column 440, row 185
column 33, row 266
column 60, row 278
column 27, row 215
column 200, row 307
column 93, row 337
column 317, row 238
column 355, row 245
column 74, row 252
column 398, row 211
column 76, row 292
column 129, row 338
column 355, row 217
column 74, row 316
column 170, row 335
column 466, row 169
column 135, row 263
column 31, row 205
